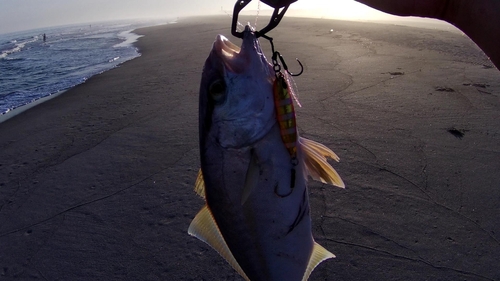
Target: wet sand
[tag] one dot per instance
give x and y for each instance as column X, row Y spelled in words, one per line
column 96, row 184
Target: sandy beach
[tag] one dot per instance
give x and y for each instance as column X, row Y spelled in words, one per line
column 97, row 183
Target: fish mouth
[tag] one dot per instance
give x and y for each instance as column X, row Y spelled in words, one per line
column 235, row 59
column 225, row 48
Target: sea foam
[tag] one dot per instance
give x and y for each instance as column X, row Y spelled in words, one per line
column 32, row 68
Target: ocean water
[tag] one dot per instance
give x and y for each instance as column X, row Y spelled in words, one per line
column 31, row 68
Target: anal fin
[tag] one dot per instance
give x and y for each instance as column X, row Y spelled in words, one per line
column 205, row 228
column 318, row 255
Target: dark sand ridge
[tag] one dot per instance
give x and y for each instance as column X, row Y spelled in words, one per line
column 96, row 184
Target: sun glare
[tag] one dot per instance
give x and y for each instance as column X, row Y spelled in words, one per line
column 346, row 10
column 338, row 9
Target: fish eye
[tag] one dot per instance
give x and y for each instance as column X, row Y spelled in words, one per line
column 217, row 90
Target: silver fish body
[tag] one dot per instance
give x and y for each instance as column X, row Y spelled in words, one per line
column 257, row 212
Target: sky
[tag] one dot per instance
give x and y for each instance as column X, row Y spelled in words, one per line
column 17, row 15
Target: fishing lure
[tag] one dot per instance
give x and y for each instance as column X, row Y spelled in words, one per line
column 285, row 113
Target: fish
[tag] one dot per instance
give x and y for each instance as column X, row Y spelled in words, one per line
column 255, row 167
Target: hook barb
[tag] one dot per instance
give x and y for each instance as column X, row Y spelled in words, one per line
column 301, row 69
column 285, row 66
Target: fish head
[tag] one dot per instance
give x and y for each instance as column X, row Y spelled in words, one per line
column 236, row 93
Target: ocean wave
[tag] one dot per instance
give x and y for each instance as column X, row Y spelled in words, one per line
column 11, row 58
column 18, row 46
column 129, row 38
column 71, row 55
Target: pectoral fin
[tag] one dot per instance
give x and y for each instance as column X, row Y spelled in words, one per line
column 318, row 255
column 314, row 157
column 205, row 228
column 199, row 185
column 252, row 178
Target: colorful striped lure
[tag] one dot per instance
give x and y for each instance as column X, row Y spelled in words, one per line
column 285, row 114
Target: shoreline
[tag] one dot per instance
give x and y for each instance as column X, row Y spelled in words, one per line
column 20, row 109
column 127, row 38
column 97, row 183
column 134, row 39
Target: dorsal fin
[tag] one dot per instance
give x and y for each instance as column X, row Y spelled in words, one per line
column 318, row 255
column 314, row 157
column 204, row 228
column 199, row 185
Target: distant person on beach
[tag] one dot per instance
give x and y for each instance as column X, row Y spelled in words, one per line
column 44, row 37
column 479, row 19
